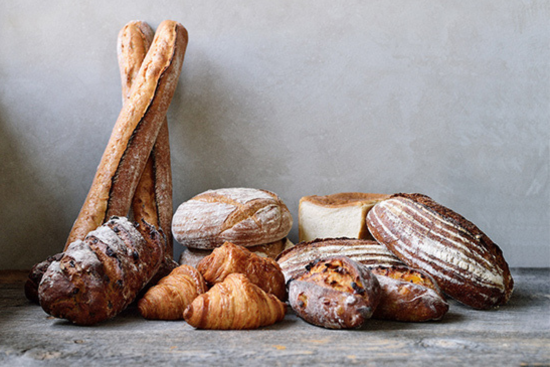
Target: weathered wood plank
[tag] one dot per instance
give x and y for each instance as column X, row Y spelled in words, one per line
column 517, row 334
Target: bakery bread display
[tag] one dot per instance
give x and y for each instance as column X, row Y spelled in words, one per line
column 135, row 131
column 423, row 234
column 230, row 258
column 408, row 295
column 243, row 216
column 336, row 215
column 294, row 260
column 336, row 293
column 172, row 294
column 234, row 304
column 99, row 276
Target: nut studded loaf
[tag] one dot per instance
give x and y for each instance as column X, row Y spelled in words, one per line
column 135, row 131
column 466, row 264
column 152, row 200
column 242, row 216
column 101, row 275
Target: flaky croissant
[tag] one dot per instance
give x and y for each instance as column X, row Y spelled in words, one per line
column 230, row 258
column 234, row 304
column 168, row 299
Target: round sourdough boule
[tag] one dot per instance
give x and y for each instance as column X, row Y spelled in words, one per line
column 243, row 216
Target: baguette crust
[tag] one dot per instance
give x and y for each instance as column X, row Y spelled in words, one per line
column 466, row 264
column 152, row 200
column 135, row 131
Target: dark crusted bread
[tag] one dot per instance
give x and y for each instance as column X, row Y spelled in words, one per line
column 466, row 264
column 100, row 276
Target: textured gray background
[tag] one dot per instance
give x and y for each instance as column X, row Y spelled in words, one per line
column 450, row 99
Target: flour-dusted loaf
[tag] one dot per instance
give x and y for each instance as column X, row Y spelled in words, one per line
column 243, row 216
column 466, row 264
column 408, row 294
column 336, row 215
column 99, row 276
column 294, row 260
column 336, row 293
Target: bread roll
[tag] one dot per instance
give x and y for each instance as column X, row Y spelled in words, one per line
column 243, row 216
column 336, row 215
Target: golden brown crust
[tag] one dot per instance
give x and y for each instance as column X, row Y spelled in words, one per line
column 229, row 259
column 170, row 297
column 335, row 293
column 152, row 199
column 234, row 304
column 408, row 295
column 344, row 199
column 101, row 275
column 135, row 131
column 466, row 264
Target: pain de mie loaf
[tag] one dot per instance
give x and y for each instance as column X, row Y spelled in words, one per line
column 336, row 215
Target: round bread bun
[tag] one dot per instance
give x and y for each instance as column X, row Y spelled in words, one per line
column 243, row 216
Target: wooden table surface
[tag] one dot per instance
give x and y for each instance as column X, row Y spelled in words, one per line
column 517, row 334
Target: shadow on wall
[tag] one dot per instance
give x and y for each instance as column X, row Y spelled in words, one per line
column 218, row 135
column 28, row 215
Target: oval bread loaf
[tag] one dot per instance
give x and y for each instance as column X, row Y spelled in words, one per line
column 466, row 264
column 243, row 216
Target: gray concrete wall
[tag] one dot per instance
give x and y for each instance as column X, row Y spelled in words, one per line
column 450, row 99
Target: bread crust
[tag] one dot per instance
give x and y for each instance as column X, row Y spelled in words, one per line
column 466, row 264
column 335, row 293
column 243, row 216
column 135, row 131
column 100, row 276
column 293, row 261
column 344, row 199
column 152, row 199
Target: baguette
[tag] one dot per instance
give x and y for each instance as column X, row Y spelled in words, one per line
column 135, row 131
column 152, row 200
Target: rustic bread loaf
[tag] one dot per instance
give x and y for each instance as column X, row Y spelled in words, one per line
column 336, row 215
column 408, row 294
column 335, row 293
column 466, row 264
column 294, row 260
column 100, row 276
column 243, row 216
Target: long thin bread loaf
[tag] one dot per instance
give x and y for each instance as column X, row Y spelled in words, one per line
column 135, row 131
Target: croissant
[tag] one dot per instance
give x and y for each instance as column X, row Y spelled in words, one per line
column 168, row 299
column 230, row 258
column 234, row 304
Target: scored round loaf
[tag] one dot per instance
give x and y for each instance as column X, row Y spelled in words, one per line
column 243, row 216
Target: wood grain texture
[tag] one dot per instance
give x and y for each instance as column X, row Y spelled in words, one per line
column 517, row 334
